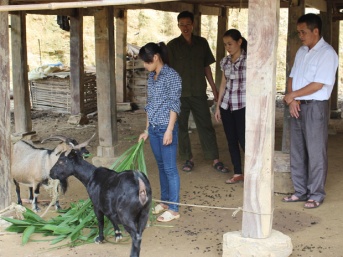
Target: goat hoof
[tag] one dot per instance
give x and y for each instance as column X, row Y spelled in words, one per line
column 36, row 210
column 97, row 240
column 118, row 236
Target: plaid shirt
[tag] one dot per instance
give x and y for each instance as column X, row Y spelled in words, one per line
column 235, row 74
column 163, row 96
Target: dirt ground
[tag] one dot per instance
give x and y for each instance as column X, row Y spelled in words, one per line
column 199, row 231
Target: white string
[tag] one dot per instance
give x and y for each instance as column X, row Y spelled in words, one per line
column 236, row 209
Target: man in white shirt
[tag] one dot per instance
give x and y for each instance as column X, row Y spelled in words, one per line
column 309, row 87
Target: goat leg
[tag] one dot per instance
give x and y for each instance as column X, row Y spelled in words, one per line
column 100, row 216
column 136, row 238
column 35, row 207
column 117, row 233
column 30, row 194
column 17, row 190
column 57, row 205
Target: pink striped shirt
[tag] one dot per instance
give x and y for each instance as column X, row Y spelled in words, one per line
column 235, row 74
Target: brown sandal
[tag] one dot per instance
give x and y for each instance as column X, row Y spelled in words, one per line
column 235, row 179
column 311, row 204
column 293, row 198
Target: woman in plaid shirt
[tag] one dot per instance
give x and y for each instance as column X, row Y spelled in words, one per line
column 231, row 100
column 163, row 107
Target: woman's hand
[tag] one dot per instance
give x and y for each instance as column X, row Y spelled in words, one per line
column 168, row 137
column 143, row 136
column 217, row 115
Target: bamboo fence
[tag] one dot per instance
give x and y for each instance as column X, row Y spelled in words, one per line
column 53, row 94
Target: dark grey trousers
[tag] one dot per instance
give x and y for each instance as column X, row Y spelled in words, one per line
column 309, row 162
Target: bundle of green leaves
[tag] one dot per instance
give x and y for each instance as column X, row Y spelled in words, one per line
column 78, row 223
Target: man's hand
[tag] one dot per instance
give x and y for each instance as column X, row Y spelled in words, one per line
column 288, row 98
column 294, row 109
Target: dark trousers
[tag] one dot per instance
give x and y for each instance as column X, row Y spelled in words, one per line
column 309, row 138
column 234, row 127
column 202, row 118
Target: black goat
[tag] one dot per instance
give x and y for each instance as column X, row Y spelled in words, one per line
column 124, row 198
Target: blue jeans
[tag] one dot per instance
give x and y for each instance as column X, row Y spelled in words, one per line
column 165, row 156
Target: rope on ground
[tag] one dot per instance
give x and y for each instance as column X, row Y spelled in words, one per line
column 237, row 209
column 53, row 192
column 19, row 210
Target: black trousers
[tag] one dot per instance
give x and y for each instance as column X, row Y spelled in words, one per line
column 234, row 127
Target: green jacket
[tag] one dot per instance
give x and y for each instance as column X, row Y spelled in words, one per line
column 190, row 62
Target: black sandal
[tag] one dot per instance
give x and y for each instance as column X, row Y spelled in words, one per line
column 219, row 166
column 188, row 166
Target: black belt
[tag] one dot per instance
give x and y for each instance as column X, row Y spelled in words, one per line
column 305, row 101
column 309, row 101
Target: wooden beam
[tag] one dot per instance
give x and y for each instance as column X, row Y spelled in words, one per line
column 318, row 4
column 293, row 44
column 120, row 53
column 5, row 115
column 73, row 4
column 76, row 63
column 258, row 200
column 176, row 7
column 220, row 53
column 62, row 12
column 21, row 93
column 105, row 67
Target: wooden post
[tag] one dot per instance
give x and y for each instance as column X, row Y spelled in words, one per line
column 106, row 96
column 260, row 118
column 21, row 95
column 197, row 21
column 5, row 115
column 293, row 44
column 120, row 53
column 76, row 63
column 335, row 111
column 222, row 27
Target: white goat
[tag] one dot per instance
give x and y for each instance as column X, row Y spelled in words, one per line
column 31, row 166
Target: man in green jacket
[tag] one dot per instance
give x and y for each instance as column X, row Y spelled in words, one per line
column 191, row 57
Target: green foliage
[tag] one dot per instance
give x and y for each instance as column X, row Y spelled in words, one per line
column 78, row 223
column 132, row 159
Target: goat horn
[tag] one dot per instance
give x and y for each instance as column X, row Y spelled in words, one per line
column 84, row 144
column 59, row 137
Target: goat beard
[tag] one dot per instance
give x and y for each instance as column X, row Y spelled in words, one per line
column 64, row 185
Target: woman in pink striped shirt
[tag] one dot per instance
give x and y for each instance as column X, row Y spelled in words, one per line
column 231, row 100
